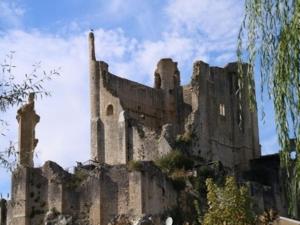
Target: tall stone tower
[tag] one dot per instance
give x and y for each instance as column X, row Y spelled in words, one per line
column 97, row 151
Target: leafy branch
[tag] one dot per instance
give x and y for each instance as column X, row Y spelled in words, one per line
column 14, row 93
column 270, row 33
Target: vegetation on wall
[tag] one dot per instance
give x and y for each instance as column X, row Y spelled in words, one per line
column 269, row 40
column 175, row 164
column 214, row 171
column 183, row 141
column 134, row 165
column 189, row 176
column 174, row 161
column 76, row 179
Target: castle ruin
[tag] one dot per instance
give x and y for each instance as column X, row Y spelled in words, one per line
column 131, row 122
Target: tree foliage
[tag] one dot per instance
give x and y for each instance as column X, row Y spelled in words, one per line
column 14, row 91
column 269, row 40
column 228, row 205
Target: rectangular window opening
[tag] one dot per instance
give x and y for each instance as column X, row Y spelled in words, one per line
column 222, row 109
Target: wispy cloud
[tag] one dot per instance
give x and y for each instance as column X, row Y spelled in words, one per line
column 11, row 14
column 213, row 24
column 212, row 19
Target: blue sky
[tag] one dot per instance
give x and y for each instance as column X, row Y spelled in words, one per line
column 131, row 36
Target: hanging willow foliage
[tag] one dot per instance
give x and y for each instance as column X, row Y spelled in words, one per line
column 269, row 39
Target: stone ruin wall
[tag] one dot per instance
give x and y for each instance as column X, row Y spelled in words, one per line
column 96, row 195
column 220, row 137
column 132, row 116
column 129, row 120
column 135, row 129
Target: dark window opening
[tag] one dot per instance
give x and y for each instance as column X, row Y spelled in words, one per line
column 157, row 81
column 110, row 110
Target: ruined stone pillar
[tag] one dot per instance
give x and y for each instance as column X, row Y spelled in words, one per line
column 95, row 102
column 27, row 119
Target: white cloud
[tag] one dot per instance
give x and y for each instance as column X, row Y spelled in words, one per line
column 213, row 24
column 213, row 19
column 10, row 13
column 113, row 45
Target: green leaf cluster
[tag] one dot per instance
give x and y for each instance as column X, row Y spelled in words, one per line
column 269, row 40
column 174, row 161
column 14, row 92
column 228, row 205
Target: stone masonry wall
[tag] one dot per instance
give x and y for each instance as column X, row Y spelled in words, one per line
column 94, row 194
column 214, row 120
column 3, row 211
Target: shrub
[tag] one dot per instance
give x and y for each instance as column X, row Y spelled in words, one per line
column 78, row 177
column 228, row 205
column 178, row 178
column 134, row 165
column 183, row 141
column 174, row 160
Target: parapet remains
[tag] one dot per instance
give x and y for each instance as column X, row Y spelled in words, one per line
column 135, row 124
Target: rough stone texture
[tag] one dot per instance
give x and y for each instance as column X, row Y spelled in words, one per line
column 220, row 137
column 94, row 194
column 266, row 183
column 3, row 211
column 27, row 119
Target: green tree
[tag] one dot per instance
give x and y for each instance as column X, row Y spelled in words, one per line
column 269, row 40
column 14, row 92
column 228, row 205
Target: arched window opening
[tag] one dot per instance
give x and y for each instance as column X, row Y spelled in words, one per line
column 109, row 110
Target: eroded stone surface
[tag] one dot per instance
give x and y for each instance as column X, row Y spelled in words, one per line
column 27, row 119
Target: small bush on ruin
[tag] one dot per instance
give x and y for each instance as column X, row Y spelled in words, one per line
column 184, row 141
column 134, row 165
column 174, row 160
column 78, row 177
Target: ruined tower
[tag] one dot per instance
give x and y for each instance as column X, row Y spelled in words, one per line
column 97, row 151
column 131, row 121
